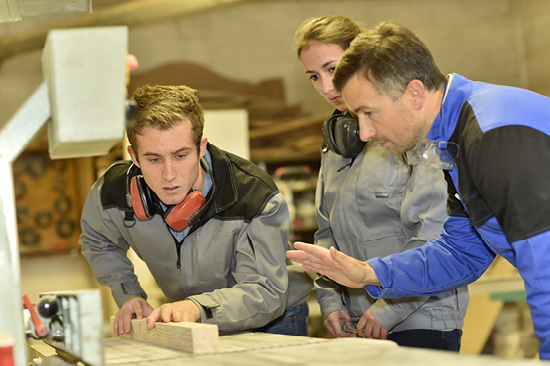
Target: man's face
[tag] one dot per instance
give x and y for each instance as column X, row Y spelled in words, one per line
column 169, row 161
column 392, row 124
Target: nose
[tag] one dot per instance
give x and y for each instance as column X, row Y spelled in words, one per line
column 366, row 130
column 327, row 86
column 169, row 171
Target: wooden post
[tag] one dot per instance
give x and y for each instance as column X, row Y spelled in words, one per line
column 196, row 338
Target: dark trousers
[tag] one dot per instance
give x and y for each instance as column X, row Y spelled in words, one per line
column 293, row 322
column 424, row 338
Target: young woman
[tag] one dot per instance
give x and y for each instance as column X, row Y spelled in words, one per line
column 371, row 203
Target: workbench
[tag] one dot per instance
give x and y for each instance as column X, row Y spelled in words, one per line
column 270, row 349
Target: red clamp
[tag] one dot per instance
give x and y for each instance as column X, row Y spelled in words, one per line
column 39, row 327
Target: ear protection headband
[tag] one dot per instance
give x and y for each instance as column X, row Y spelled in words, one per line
column 144, row 203
column 341, row 135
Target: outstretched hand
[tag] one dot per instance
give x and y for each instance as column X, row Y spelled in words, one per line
column 336, row 265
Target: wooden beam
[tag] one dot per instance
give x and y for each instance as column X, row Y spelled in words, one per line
column 196, row 338
column 132, row 13
column 290, row 126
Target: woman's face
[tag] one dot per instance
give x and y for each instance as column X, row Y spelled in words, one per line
column 320, row 60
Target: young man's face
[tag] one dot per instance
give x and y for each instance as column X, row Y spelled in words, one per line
column 320, row 60
column 392, row 124
column 169, row 161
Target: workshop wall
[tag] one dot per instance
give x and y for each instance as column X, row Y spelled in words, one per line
column 534, row 23
column 493, row 40
column 253, row 41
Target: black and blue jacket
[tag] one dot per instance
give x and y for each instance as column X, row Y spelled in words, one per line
column 499, row 199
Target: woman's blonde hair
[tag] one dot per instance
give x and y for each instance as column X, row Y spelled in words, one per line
column 332, row 29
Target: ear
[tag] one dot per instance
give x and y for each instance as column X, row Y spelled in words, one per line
column 415, row 93
column 202, row 147
column 133, row 155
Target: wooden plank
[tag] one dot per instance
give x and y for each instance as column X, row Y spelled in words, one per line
column 196, row 338
column 483, row 312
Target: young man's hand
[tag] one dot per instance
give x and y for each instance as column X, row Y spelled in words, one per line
column 136, row 306
column 179, row 311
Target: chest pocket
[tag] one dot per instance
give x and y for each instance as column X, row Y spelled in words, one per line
column 382, row 173
column 208, row 255
column 381, row 186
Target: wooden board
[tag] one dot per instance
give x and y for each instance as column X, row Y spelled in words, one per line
column 196, row 338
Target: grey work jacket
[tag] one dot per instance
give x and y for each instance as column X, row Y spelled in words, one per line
column 232, row 263
column 374, row 207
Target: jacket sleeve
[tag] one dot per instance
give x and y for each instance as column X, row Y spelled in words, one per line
column 261, row 290
column 329, row 293
column 423, row 211
column 458, row 257
column 105, row 249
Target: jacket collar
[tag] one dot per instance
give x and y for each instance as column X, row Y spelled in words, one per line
column 224, row 189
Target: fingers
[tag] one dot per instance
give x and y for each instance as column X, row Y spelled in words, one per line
column 181, row 311
column 153, row 318
column 369, row 327
column 123, row 323
column 333, row 323
column 116, row 327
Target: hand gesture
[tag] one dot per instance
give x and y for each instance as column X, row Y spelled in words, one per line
column 336, row 265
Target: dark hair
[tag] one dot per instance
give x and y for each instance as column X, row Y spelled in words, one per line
column 164, row 106
column 389, row 56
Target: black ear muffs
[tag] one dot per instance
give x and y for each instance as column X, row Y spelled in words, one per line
column 143, row 202
column 341, row 135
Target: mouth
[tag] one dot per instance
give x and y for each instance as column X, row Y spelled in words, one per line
column 171, row 190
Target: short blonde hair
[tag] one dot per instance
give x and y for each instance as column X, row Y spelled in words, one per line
column 164, row 106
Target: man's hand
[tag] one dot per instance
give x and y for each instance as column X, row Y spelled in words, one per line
column 369, row 327
column 180, row 311
column 134, row 306
column 333, row 323
column 336, row 265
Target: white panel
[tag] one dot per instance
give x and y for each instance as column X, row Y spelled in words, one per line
column 228, row 130
column 85, row 69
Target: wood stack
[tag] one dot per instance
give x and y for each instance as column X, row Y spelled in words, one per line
column 280, row 133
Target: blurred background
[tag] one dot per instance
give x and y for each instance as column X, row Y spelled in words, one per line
column 239, row 55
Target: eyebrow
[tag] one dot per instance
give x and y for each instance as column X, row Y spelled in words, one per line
column 322, row 67
column 359, row 109
column 183, row 149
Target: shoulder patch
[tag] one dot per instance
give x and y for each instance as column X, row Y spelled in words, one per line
column 114, row 187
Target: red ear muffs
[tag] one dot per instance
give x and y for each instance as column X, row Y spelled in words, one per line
column 178, row 217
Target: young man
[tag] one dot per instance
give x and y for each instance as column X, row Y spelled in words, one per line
column 498, row 176
column 211, row 227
